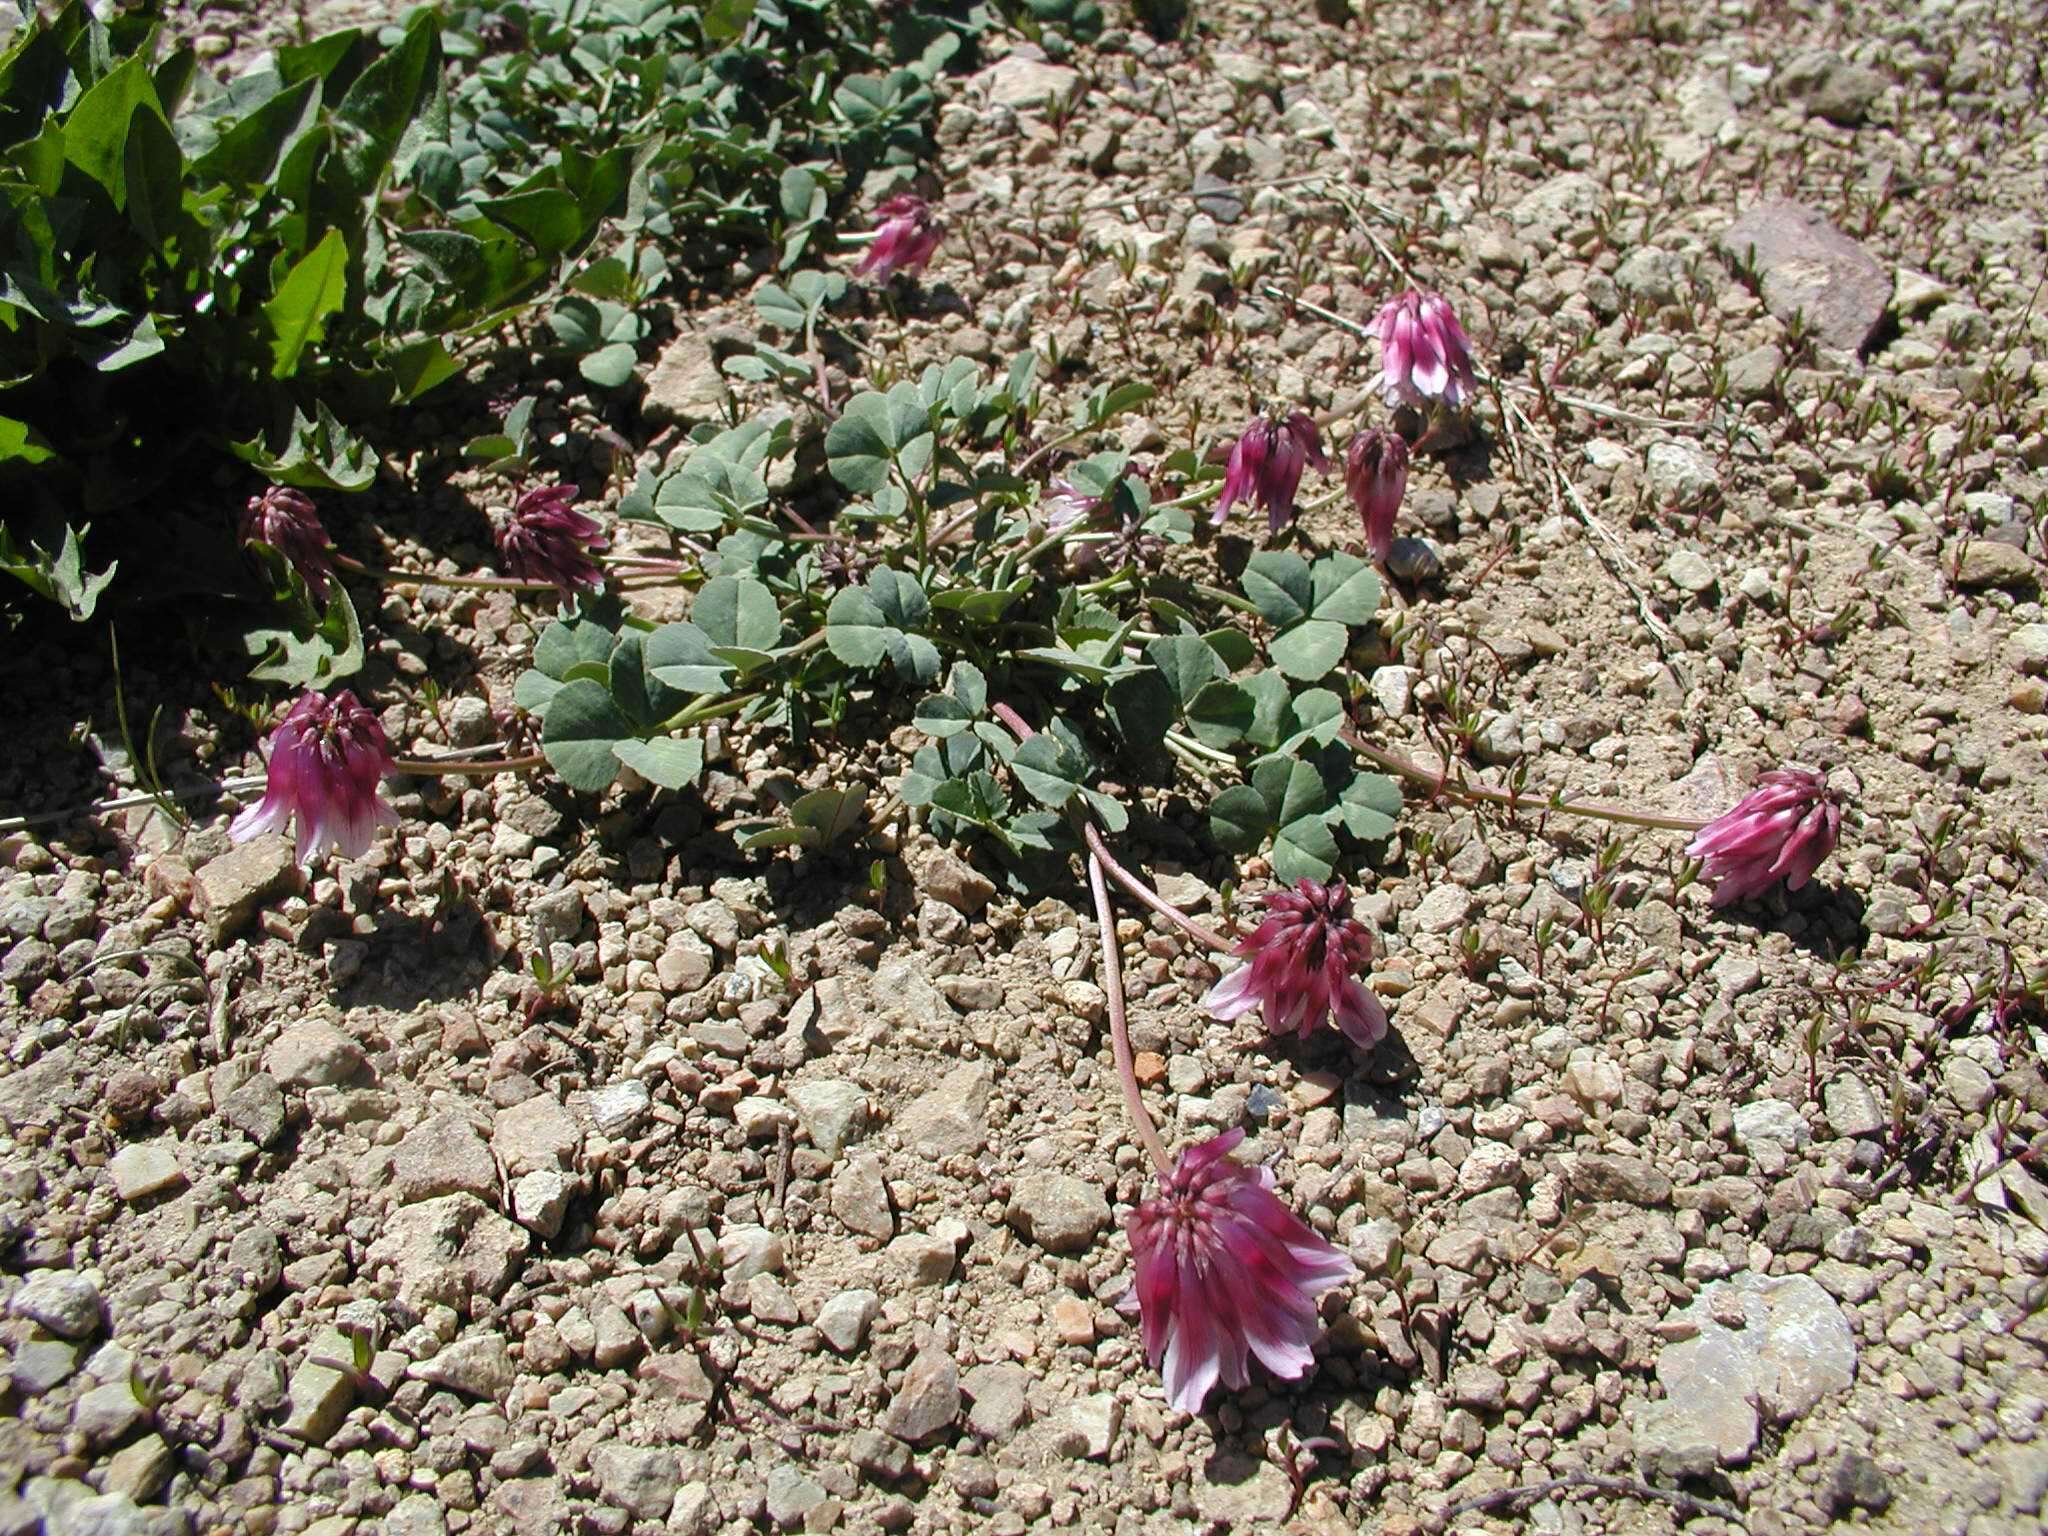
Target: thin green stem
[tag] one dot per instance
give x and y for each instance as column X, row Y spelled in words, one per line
column 1228, row 599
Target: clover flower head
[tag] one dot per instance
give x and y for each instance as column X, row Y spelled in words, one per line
column 1224, row 1271
column 1266, row 464
column 1376, row 475
column 544, row 539
column 327, row 757
column 909, row 233
column 1305, row 961
column 1424, row 353
column 1780, row 830
column 287, row 521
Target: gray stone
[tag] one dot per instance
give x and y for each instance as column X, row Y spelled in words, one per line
column 1690, row 572
column 616, row 1340
column 314, row 1054
column 1794, row 1348
column 1993, row 563
column 998, row 1398
column 317, row 1401
column 557, row 918
column 791, row 1496
column 540, row 1201
column 444, row 1155
column 1828, row 86
column 535, row 1133
column 62, row 1300
column 1633, row 1180
column 2030, row 648
column 41, row 1364
column 1770, row 1120
column 878, row 1455
column 106, row 1414
column 950, row 878
column 1680, row 476
column 1650, row 274
column 72, row 1509
column 1807, row 266
column 832, row 1111
column 417, row 1514
column 694, row 1512
column 1021, row 84
column 928, row 1401
column 1753, row 375
column 479, row 1366
column 1561, row 203
column 453, row 1250
column 641, row 1480
column 618, row 1107
column 763, row 1119
column 860, row 1198
column 1442, row 908
column 1852, row 1109
column 145, row 1168
column 746, row 1251
column 686, row 386
column 1060, row 1213
column 952, row 1119
column 1241, row 1493
column 1968, row 1084
column 534, row 1506
column 139, row 1471
column 1089, row 1424
column 256, row 1109
column 845, row 1319
column 227, row 890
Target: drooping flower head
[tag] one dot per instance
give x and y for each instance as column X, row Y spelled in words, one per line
column 287, row 521
column 1782, row 829
column 327, row 757
column 1306, row 961
column 909, row 234
column 1225, row 1270
column 1424, row 354
column 1067, row 504
column 544, row 539
column 1376, row 475
column 1266, row 464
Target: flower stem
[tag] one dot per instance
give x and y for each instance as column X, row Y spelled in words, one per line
column 426, row 579
column 448, row 767
column 1438, row 783
column 1119, row 1027
column 1098, row 852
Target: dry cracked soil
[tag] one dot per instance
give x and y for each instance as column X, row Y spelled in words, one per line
column 1680, row 1217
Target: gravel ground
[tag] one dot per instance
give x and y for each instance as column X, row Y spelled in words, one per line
column 1706, row 1218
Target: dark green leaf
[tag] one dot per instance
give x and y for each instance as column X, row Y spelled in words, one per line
column 1279, row 585
column 1048, row 773
column 1220, row 715
column 1309, row 650
column 1239, row 819
column 1304, row 849
column 1371, row 805
column 738, row 611
column 1346, row 589
column 316, row 287
column 667, row 762
column 578, row 732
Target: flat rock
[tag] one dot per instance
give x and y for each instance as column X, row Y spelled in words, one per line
column 642, row 1480
column 1088, row 1426
column 1633, row 1180
column 860, row 1198
column 1060, row 1213
column 41, row 1091
column 444, row 1155
column 1770, row 1120
column 1794, row 1349
column 1020, row 83
column 227, row 891
column 107, row 1413
column 832, row 1111
column 144, row 1169
column 540, row 1201
column 844, row 1320
column 1679, row 475
column 535, row 1133
column 1443, row 908
column 452, row 1250
column 1829, row 86
column 998, row 1397
column 479, row 1366
column 314, row 1054
column 62, row 1300
column 318, row 1400
column 1852, row 1109
column 617, row 1108
column 256, row 1109
column 948, row 877
column 952, row 1119
column 1991, row 563
column 139, row 1471
column 685, row 386
column 43, row 1364
column 1807, row 266
column 928, row 1401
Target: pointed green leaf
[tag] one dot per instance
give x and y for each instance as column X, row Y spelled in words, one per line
column 316, row 287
